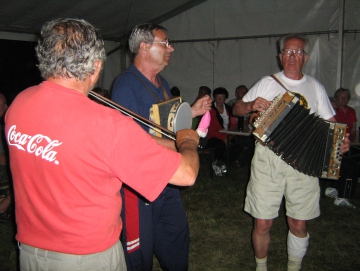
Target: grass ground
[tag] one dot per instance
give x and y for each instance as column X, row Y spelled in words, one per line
column 220, row 231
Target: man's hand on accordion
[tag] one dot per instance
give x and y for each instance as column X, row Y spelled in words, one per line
column 346, row 146
column 260, row 104
column 241, row 108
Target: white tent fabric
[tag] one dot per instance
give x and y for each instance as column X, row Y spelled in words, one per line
column 111, row 67
column 239, row 43
column 217, row 42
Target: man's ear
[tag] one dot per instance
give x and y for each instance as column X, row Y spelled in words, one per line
column 98, row 65
column 280, row 58
column 143, row 47
column 306, row 58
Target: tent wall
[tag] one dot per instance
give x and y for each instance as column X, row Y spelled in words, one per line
column 112, row 67
column 228, row 43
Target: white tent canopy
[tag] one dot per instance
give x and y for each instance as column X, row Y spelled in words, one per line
column 22, row 20
column 229, row 43
column 217, row 42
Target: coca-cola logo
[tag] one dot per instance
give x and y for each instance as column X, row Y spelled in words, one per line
column 40, row 145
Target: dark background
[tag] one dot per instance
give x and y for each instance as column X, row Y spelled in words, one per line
column 18, row 69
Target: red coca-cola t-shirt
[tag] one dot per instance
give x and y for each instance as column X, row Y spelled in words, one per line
column 69, row 157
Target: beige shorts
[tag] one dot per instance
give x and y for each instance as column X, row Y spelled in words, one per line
column 272, row 179
column 32, row 258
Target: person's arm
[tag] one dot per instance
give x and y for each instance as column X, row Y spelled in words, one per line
column 170, row 144
column 241, row 108
column 187, row 141
column 201, row 106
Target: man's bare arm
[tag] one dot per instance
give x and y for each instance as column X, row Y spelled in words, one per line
column 187, row 142
column 170, row 144
column 241, row 108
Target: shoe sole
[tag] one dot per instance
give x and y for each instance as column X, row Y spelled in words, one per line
column 344, row 204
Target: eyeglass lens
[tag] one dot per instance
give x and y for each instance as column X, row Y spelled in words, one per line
column 298, row 52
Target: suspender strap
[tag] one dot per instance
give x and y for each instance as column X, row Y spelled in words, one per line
column 160, row 83
column 277, row 80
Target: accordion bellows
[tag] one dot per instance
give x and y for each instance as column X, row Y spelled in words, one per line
column 305, row 141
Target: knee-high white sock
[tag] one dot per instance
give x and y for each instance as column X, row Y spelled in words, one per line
column 296, row 247
column 261, row 264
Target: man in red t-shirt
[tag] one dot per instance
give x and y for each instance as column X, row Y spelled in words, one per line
column 69, row 157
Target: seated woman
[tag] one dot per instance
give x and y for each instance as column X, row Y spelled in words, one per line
column 344, row 188
column 221, row 118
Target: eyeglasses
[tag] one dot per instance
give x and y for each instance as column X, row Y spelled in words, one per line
column 297, row 52
column 166, row 43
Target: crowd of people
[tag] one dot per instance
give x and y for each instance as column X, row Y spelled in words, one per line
column 105, row 177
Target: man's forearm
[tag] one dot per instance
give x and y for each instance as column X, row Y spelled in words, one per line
column 189, row 167
column 170, row 144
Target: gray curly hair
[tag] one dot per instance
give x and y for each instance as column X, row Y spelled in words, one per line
column 142, row 33
column 303, row 38
column 69, row 48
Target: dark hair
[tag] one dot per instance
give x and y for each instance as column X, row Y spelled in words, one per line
column 142, row 33
column 340, row 90
column 69, row 48
column 207, row 89
column 241, row 86
column 175, row 91
column 221, row 90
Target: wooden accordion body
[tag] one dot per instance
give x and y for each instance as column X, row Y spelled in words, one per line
column 305, row 141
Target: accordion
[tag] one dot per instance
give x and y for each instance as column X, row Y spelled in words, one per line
column 305, row 141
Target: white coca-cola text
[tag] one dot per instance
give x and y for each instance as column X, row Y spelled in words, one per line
column 40, row 145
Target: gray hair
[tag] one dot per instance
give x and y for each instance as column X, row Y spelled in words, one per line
column 340, row 90
column 142, row 33
column 303, row 38
column 69, row 48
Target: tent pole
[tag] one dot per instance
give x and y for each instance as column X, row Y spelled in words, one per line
column 340, row 45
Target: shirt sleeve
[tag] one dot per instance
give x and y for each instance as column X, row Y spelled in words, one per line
column 324, row 108
column 139, row 161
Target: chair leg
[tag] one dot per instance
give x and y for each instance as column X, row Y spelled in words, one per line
column 211, row 161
